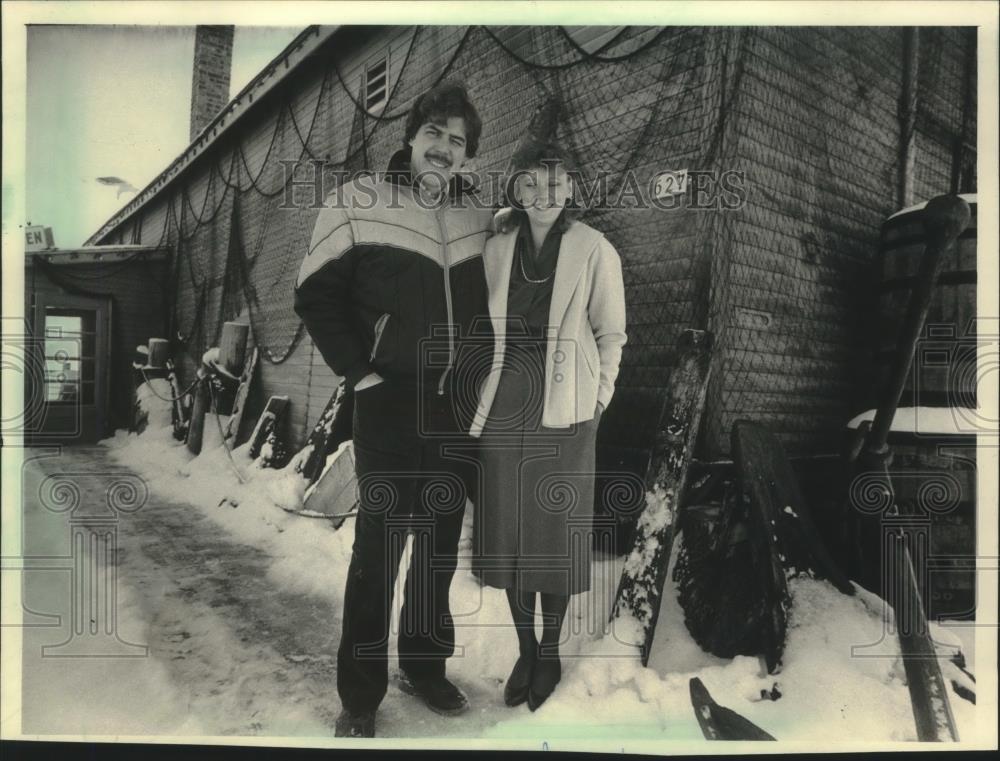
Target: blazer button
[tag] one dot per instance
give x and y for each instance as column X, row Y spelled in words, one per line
column 559, row 355
column 558, row 377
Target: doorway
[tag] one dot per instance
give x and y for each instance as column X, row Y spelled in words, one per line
column 73, row 333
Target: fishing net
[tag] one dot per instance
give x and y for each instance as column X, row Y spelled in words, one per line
column 809, row 116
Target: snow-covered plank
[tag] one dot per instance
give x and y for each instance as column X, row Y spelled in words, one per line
column 718, row 722
column 232, row 430
column 641, row 584
column 335, row 493
column 783, row 529
column 331, row 430
column 266, row 440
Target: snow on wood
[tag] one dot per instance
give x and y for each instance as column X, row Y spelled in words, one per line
column 718, row 722
column 952, row 421
column 232, row 430
column 645, row 569
column 335, row 493
column 330, row 431
column 152, row 400
column 265, row 442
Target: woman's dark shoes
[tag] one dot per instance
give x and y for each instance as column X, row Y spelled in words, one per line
column 544, row 678
column 515, row 691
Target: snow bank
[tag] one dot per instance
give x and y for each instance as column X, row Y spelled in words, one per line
column 842, row 679
column 153, row 398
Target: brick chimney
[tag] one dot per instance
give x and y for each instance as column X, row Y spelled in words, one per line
column 213, row 58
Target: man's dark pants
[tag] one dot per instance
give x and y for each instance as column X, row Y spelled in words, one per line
column 406, row 483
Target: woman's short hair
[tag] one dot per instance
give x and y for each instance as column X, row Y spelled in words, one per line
column 439, row 104
column 532, row 154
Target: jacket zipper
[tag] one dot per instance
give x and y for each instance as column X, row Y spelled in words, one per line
column 379, row 327
column 447, row 297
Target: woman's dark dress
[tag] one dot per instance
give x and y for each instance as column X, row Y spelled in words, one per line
column 534, row 521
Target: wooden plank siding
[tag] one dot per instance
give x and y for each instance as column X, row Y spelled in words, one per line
column 813, row 124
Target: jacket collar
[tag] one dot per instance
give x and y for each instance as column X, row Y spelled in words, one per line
column 398, row 172
column 577, row 245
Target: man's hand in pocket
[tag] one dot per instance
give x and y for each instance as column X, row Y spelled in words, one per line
column 372, row 379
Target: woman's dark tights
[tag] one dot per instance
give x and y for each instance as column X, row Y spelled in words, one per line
column 522, row 611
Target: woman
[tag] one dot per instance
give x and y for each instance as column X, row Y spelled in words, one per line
column 557, row 302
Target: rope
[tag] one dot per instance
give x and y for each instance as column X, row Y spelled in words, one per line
column 524, row 61
column 250, row 294
column 222, row 201
column 618, row 59
column 199, row 217
column 196, row 326
column 278, row 127
column 172, row 400
column 222, row 434
column 232, row 167
column 312, row 124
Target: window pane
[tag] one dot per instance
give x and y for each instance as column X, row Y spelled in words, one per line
column 61, row 371
column 62, row 349
column 64, row 325
column 62, row 392
column 70, row 346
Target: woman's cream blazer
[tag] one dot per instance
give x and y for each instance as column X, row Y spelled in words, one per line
column 586, row 325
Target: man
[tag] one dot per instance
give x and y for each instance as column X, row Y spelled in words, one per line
column 390, row 291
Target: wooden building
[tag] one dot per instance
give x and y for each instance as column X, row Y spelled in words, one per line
column 86, row 311
column 833, row 129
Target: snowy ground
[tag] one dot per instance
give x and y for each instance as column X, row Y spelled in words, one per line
column 240, row 608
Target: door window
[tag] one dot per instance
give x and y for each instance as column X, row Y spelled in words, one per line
column 70, row 349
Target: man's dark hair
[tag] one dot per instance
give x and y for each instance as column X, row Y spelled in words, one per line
column 439, row 104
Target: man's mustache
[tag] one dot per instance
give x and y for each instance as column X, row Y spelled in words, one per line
column 438, row 156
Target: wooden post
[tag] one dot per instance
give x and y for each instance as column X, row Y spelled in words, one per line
column 233, row 346
column 196, row 428
column 159, row 353
column 232, row 427
column 945, row 217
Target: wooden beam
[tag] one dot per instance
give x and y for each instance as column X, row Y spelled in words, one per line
column 641, row 584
